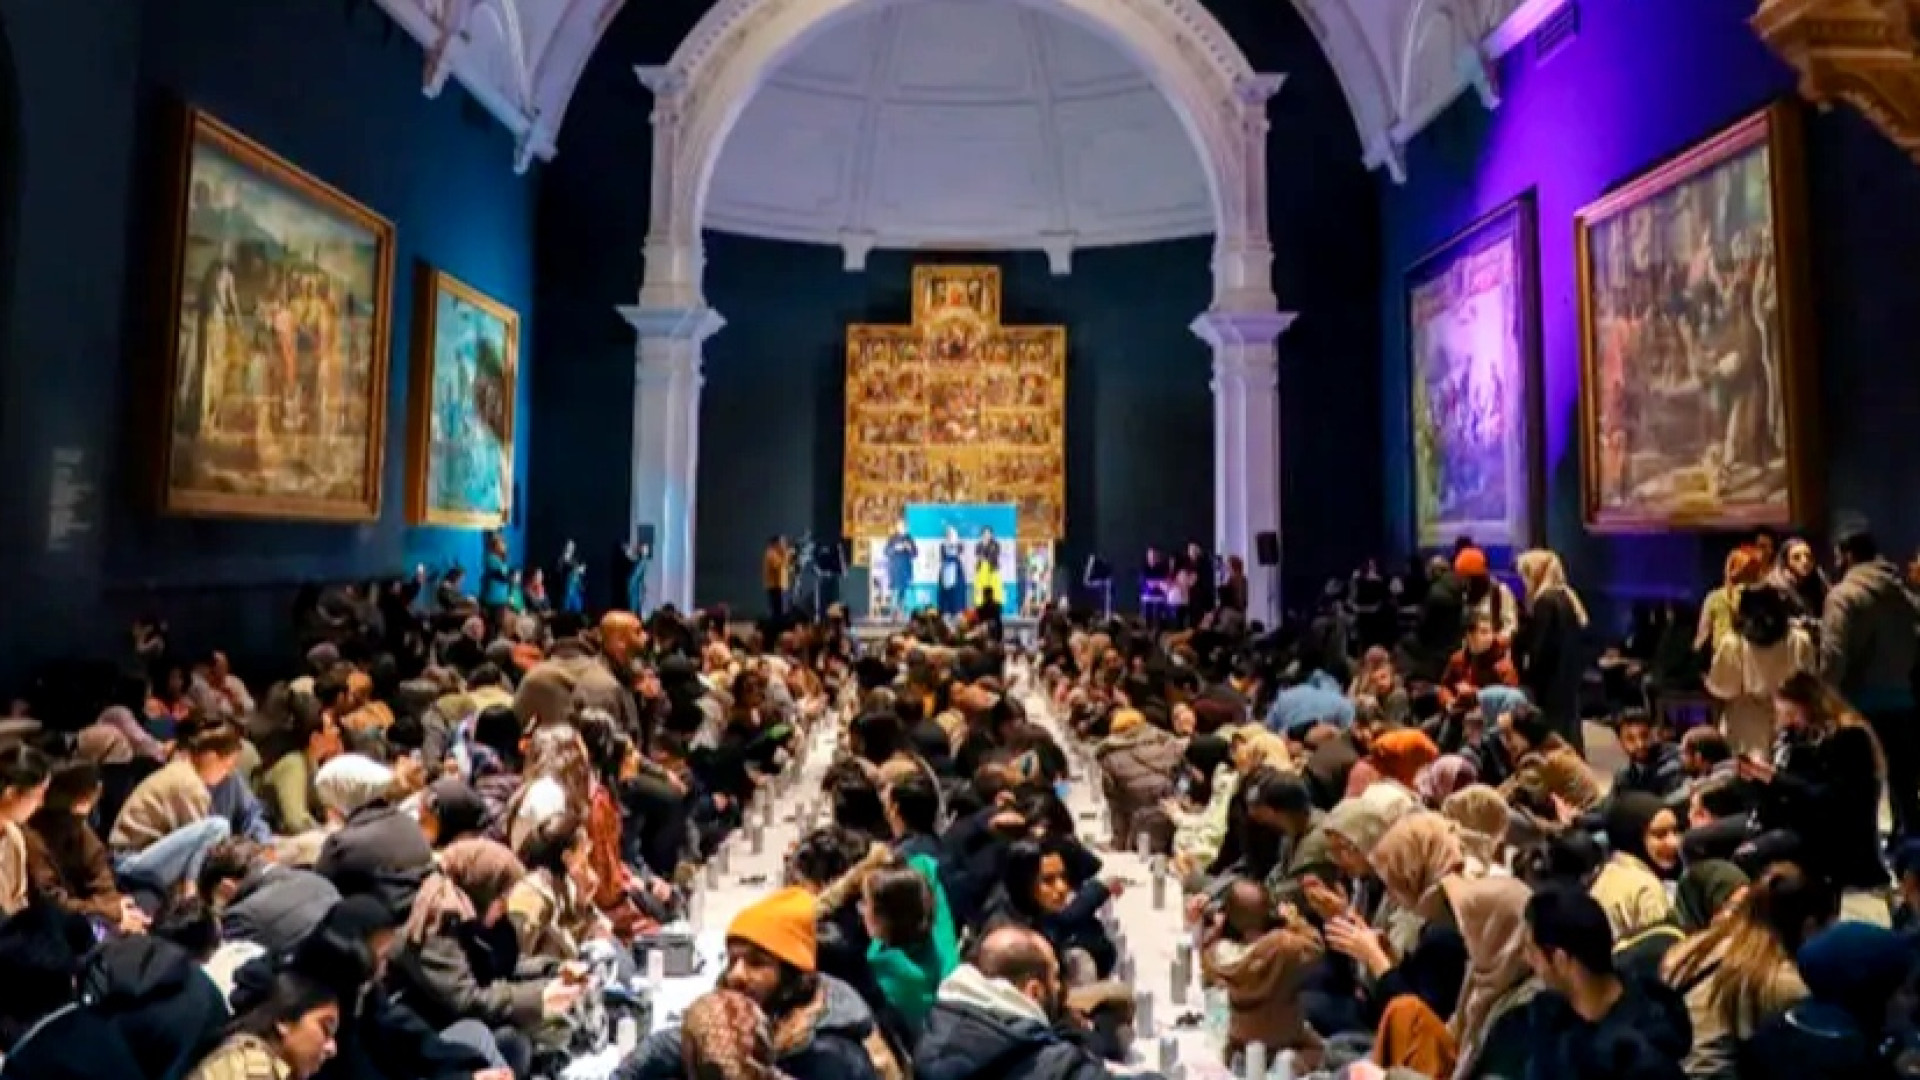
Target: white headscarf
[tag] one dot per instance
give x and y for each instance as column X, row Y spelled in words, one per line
column 351, row 781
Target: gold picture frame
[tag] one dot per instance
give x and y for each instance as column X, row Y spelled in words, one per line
column 279, row 309
column 460, row 471
column 1697, row 400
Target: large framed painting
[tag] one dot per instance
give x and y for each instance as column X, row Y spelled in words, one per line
column 1695, row 354
column 1473, row 341
column 277, row 354
column 466, row 368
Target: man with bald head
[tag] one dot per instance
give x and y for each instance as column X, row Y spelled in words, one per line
column 995, row 1018
column 574, row 677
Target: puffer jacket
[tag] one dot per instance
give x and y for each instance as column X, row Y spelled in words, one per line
column 1138, row 768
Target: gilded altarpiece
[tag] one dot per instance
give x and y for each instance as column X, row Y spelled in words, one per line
column 955, row 409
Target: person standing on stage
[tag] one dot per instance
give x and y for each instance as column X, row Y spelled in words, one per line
column 1155, row 576
column 775, row 569
column 901, row 551
column 1200, row 581
column 953, row 575
column 986, row 569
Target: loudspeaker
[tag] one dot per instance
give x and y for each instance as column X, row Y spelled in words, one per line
column 1267, row 548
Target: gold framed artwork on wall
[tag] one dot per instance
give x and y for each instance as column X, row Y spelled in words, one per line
column 279, row 314
column 1696, row 387
column 1473, row 362
column 460, row 408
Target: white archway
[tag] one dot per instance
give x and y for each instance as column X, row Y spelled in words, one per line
column 699, row 95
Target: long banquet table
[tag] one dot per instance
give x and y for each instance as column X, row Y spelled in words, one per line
column 739, row 875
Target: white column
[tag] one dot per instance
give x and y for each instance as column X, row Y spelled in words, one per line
column 1246, row 441
column 666, row 440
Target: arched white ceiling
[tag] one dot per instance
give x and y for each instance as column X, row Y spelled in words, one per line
column 988, row 123
column 1399, row 61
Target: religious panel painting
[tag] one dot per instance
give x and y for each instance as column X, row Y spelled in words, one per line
column 1694, row 346
column 466, row 368
column 955, row 409
column 277, row 350
column 1473, row 339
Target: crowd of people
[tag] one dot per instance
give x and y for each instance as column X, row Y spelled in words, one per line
column 416, row 859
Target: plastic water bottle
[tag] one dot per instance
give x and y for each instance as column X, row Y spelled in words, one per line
column 1256, row 1061
column 626, row 1035
column 656, row 968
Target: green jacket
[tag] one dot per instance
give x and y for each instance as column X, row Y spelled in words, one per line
column 911, row 977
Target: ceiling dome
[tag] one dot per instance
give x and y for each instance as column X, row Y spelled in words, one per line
column 942, row 124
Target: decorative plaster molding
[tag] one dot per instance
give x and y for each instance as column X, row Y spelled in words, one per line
column 854, row 247
column 694, row 324
column 1863, row 52
column 1242, row 329
column 738, row 44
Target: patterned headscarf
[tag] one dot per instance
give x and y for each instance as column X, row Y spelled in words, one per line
column 725, row 1033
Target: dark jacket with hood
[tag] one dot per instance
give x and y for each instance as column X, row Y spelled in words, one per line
column 166, row 1009
column 984, row 1029
column 1644, row 1037
column 836, row 1049
column 379, row 852
column 463, row 971
column 277, row 906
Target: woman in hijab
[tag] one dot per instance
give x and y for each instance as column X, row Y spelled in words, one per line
column 1548, row 652
column 1644, row 838
column 1491, row 1030
column 450, row 967
column 1749, row 666
column 1420, row 962
column 1707, row 891
column 1396, row 756
column 1483, row 819
column 1448, row 774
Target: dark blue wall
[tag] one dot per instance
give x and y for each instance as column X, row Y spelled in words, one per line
column 334, row 88
column 1639, row 84
column 1140, row 411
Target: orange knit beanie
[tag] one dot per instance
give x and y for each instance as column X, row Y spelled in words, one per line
column 782, row 924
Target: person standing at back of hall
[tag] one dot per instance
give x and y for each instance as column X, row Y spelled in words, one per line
column 773, row 575
column 901, row 551
column 1868, row 645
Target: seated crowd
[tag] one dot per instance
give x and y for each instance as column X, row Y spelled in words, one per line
column 409, row 862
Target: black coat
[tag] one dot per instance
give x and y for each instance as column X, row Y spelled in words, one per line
column 76, row 1044
column 965, row 1042
column 379, row 852
column 1552, row 661
column 166, row 1010
column 1828, row 794
column 1644, row 1037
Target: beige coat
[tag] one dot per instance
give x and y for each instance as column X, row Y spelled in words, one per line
column 1744, row 677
